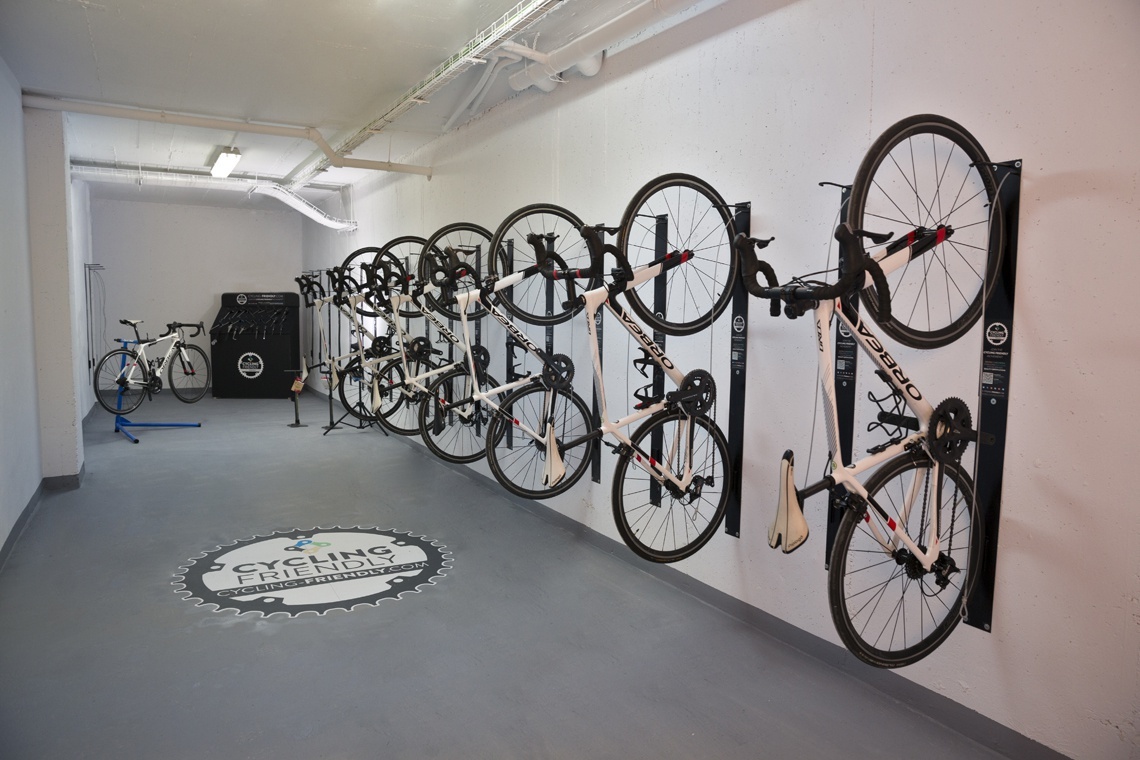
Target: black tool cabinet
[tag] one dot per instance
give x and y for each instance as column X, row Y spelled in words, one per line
column 255, row 345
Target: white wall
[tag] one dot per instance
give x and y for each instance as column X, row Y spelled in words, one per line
column 20, row 466
column 79, row 248
column 59, row 344
column 765, row 99
column 170, row 263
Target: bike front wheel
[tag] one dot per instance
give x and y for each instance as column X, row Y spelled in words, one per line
column 658, row 521
column 472, row 247
column 121, row 381
column 887, row 609
column 189, row 373
column 680, row 213
column 455, row 433
column 538, row 300
column 519, row 461
column 927, row 171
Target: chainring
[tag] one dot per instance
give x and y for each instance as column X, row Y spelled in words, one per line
column 697, row 392
column 558, row 372
column 950, row 431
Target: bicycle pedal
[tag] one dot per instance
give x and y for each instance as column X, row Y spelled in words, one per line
column 789, row 530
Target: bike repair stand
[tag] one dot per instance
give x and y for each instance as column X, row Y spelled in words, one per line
column 121, row 422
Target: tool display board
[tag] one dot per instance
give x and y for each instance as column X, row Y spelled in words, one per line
column 254, row 343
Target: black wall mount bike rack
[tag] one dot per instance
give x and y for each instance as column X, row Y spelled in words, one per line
column 993, row 396
column 738, row 366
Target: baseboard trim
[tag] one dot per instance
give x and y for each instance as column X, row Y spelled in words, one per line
column 941, row 709
column 20, row 525
column 65, row 482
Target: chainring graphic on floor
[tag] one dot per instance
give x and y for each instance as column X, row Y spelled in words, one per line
column 313, row 570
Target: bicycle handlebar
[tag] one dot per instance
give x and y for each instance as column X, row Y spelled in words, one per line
column 858, row 265
column 199, row 328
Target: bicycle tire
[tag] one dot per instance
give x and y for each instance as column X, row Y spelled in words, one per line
column 698, row 220
column 862, row 579
column 517, row 460
column 355, row 390
column 405, row 251
column 678, row 525
column 352, row 268
column 189, row 377
column 537, row 300
column 116, row 398
column 398, row 410
column 464, row 238
column 455, row 436
column 924, row 171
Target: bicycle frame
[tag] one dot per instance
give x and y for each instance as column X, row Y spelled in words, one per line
column 594, row 300
column 176, row 342
column 847, row 475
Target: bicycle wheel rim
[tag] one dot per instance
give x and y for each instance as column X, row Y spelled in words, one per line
column 923, row 172
column 538, row 300
column 883, row 615
column 355, row 390
column 457, row 436
column 399, row 405
column 351, row 267
column 653, row 523
column 472, row 245
column 405, row 251
column 679, row 213
column 517, row 460
column 189, row 378
column 107, row 388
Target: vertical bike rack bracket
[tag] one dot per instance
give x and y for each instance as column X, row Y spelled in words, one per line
column 737, row 387
column 993, row 395
column 846, row 363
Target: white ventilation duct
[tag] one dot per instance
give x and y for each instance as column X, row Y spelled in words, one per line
column 584, row 51
column 206, row 182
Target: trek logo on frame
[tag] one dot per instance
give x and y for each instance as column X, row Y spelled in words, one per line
column 313, row 570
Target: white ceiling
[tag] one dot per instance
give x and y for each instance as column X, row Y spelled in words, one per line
column 336, row 65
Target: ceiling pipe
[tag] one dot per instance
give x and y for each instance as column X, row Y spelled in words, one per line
column 519, row 18
column 206, row 182
column 636, row 19
column 499, row 61
column 187, row 120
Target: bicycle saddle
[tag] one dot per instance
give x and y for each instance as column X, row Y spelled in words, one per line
column 131, row 322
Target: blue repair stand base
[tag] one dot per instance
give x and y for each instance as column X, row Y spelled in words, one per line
column 121, row 423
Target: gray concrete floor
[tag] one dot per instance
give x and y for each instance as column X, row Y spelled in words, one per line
column 536, row 644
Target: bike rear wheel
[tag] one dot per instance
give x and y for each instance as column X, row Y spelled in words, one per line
column 399, row 404
column 927, row 171
column 121, row 381
column 189, row 373
column 517, row 460
column 680, row 213
column 455, row 433
column 660, row 524
column 538, row 300
column 356, row 390
column 887, row 610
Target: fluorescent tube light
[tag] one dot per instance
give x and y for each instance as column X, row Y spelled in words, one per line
column 226, row 162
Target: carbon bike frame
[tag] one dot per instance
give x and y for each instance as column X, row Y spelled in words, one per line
column 847, row 474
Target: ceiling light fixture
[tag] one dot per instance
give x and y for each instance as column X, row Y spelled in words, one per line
column 225, row 162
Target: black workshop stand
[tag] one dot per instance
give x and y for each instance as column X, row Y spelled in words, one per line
column 255, row 345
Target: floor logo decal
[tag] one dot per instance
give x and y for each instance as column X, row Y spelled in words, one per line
column 313, row 570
